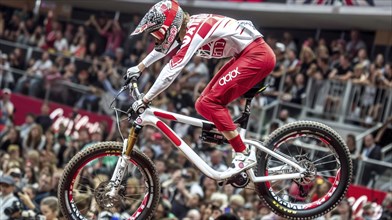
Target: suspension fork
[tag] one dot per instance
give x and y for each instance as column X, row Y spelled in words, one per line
column 119, row 171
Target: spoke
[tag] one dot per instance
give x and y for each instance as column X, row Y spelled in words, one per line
column 139, row 187
column 83, row 191
column 134, row 194
column 133, row 199
column 288, row 149
column 318, row 164
column 325, row 175
column 334, row 170
column 274, row 184
column 281, row 190
column 324, row 157
column 296, row 146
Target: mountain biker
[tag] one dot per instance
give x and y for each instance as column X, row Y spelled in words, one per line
column 208, row 36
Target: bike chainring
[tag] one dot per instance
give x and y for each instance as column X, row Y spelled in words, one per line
column 103, row 199
column 240, row 180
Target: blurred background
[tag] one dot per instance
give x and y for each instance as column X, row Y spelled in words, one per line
column 62, row 61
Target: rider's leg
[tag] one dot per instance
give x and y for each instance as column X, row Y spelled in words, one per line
column 233, row 80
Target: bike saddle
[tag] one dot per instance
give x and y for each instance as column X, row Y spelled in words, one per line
column 255, row 90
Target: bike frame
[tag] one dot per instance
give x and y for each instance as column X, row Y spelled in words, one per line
column 152, row 116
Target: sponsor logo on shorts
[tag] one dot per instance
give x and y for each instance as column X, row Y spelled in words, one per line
column 229, row 76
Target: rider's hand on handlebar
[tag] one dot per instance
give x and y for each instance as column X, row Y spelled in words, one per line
column 133, row 73
column 139, row 106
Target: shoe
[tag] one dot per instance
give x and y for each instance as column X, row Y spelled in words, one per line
column 241, row 161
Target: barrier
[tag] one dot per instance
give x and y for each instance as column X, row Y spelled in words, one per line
column 343, row 101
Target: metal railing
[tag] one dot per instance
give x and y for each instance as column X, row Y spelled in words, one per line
column 345, row 102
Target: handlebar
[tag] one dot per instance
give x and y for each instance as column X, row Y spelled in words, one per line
column 132, row 85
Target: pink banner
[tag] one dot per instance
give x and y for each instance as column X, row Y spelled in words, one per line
column 358, row 196
column 60, row 114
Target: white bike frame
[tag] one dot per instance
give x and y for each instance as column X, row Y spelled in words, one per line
column 151, row 117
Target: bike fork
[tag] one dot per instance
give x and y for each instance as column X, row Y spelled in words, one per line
column 119, row 171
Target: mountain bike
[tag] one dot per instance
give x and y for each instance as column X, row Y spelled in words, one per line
column 303, row 168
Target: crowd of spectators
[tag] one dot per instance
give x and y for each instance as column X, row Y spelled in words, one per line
column 33, row 155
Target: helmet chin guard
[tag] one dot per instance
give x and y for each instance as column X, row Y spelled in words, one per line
column 163, row 21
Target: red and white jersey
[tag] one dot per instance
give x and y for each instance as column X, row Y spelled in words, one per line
column 208, row 36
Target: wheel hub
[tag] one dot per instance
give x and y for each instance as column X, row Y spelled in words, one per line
column 102, row 197
column 309, row 174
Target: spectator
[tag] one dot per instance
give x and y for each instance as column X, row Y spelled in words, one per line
column 355, row 44
column 34, row 140
column 194, row 72
column 69, row 32
column 2, row 24
column 236, row 203
column 248, row 212
column 6, row 78
column 7, row 109
column 370, row 151
column 288, row 41
column 343, row 71
column 7, row 197
column 322, row 69
column 368, row 211
column 11, row 140
column 51, row 28
column 362, row 58
column 193, row 214
column 284, row 117
column 351, row 143
column 23, row 34
column 60, row 44
column 308, row 58
column 44, row 187
column 168, row 154
column 274, row 79
column 37, row 39
column 342, row 211
column 112, row 32
column 44, row 119
column 217, row 161
column 292, row 64
column 34, row 76
column 188, row 193
column 17, row 59
column 359, row 75
column 27, row 125
column 163, row 211
column 90, row 100
column 78, row 49
column 50, row 208
column 387, row 207
column 297, row 93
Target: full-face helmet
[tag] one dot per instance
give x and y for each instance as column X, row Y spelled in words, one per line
column 163, row 21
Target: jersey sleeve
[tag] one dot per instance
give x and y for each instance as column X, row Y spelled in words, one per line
column 154, row 55
column 192, row 41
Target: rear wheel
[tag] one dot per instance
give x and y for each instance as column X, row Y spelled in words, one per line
column 83, row 187
column 323, row 153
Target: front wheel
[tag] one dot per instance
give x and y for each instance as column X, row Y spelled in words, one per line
column 84, row 185
column 326, row 157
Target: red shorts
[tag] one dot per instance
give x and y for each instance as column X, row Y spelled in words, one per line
column 234, row 79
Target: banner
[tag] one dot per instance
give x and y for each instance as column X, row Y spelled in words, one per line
column 358, row 196
column 60, row 114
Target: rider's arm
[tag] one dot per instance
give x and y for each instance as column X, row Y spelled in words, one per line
column 154, row 56
column 174, row 67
